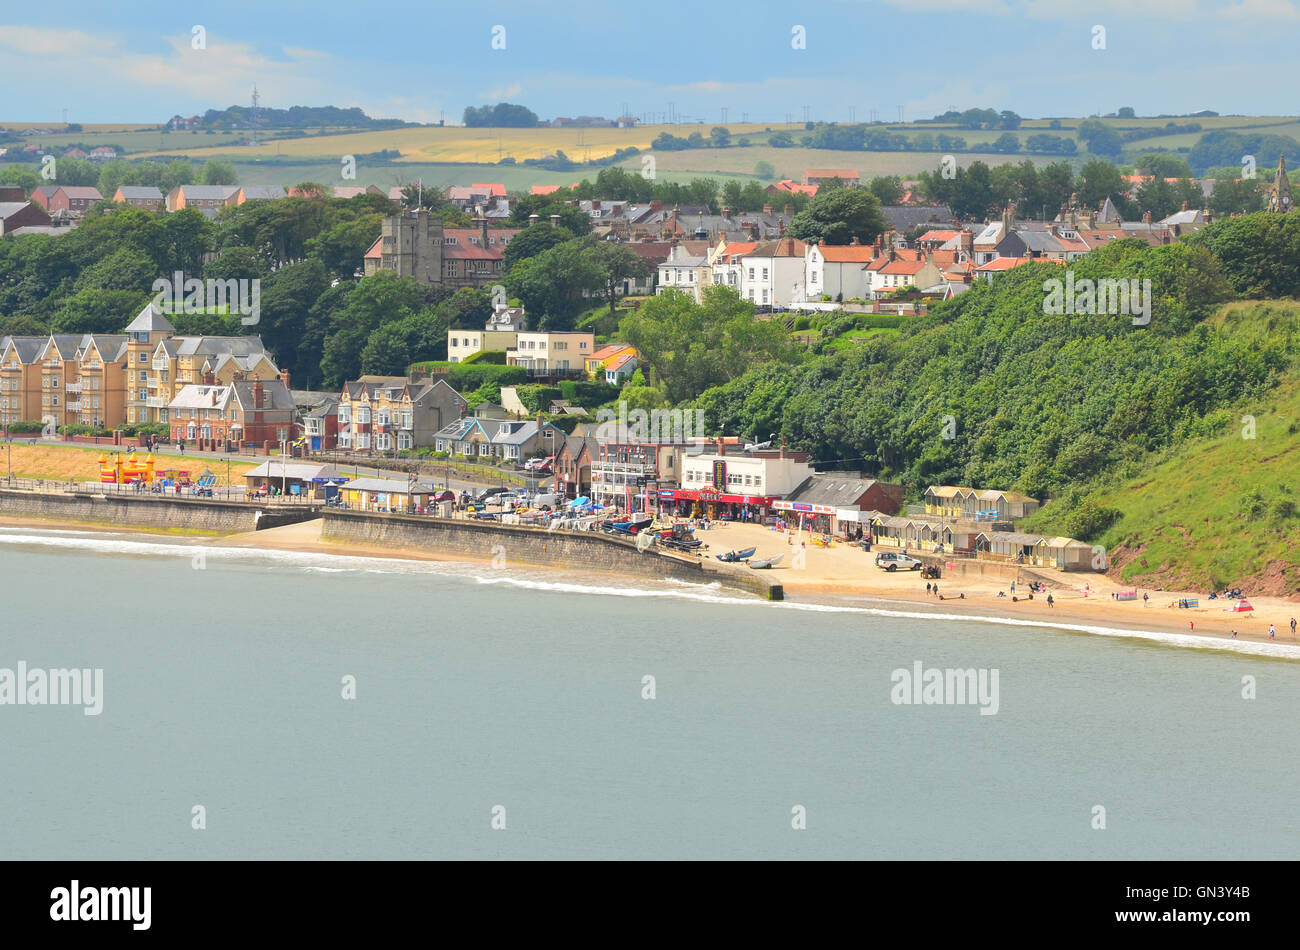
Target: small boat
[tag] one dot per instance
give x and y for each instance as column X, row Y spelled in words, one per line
column 767, row 562
column 731, row 557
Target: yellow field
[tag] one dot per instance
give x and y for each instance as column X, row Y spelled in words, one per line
column 475, row 146
column 69, row 463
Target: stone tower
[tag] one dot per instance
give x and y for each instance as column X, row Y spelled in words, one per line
column 1279, row 197
column 412, row 246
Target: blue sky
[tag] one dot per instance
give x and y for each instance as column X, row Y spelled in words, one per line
column 129, row 63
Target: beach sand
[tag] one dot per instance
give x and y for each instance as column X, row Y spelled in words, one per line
column 844, row 575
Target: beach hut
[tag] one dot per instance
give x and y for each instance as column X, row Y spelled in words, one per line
column 1006, row 546
column 1064, row 554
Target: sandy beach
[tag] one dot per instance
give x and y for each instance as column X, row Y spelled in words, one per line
column 844, row 575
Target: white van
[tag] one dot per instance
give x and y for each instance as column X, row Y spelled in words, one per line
column 544, row 500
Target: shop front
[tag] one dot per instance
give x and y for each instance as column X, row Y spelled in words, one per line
column 816, row 518
column 714, row 505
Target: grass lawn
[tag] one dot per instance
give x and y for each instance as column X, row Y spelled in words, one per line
column 81, row 463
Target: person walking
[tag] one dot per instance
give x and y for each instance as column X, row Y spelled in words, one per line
column 1145, row 598
column 927, row 588
column 1293, row 626
column 1013, row 588
column 1050, row 601
column 1272, row 632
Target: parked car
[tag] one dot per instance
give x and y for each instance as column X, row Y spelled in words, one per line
column 442, row 496
column 509, row 499
column 488, row 494
column 888, row 561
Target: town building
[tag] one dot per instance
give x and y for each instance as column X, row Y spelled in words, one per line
column 74, row 199
column 552, row 354
column 140, row 196
column 736, row 485
column 415, row 244
column 499, row 439
column 207, row 199
column 215, row 417
column 15, row 215
column 393, row 413
column 839, row 502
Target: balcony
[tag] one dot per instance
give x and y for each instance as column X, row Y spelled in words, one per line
column 161, row 364
column 156, row 402
column 72, row 388
column 73, row 406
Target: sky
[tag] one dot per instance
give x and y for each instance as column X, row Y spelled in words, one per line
column 767, row 61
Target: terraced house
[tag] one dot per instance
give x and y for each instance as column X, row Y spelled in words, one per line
column 249, row 411
column 391, row 413
column 66, row 379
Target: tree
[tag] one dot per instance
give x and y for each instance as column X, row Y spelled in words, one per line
column 1126, row 112
column 720, row 136
column 1164, row 166
column 839, row 216
column 217, row 173
column 380, row 298
column 888, row 189
column 1101, row 139
column 530, row 242
column 236, row 263
column 503, row 115
column 1099, row 180
column 1007, row 142
column 98, row 311
column 781, row 140
column 763, row 170
column 572, row 218
column 693, row 346
column 552, row 284
column 1236, row 197
column 617, row 263
column 176, row 172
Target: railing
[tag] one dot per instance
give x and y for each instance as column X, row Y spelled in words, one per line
column 73, row 406
column 156, row 402
column 161, row 364
column 72, row 388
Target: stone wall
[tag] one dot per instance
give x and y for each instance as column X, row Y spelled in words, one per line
column 130, row 511
column 585, row 551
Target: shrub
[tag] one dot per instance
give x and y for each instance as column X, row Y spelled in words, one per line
column 28, row 427
column 486, row 357
column 1089, row 520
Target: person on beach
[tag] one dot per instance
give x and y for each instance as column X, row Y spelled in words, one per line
column 1293, row 626
column 1272, row 632
column 936, row 592
column 1232, row 635
column 1013, row 587
column 1191, row 626
column 1145, row 598
column 927, row 588
column 1050, row 601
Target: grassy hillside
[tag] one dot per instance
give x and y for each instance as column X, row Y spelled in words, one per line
column 1220, row 510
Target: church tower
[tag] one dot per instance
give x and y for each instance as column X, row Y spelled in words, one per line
column 1279, row 198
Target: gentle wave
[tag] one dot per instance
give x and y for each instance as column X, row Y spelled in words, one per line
column 683, row 590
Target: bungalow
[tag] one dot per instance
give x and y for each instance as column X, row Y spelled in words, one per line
column 292, row 478
column 600, row 362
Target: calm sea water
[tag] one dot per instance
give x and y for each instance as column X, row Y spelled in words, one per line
column 479, row 688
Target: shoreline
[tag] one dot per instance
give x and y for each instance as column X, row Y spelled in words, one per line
column 866, row 588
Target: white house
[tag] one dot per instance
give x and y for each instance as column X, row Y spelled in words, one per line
column 772, row 274
column 681, row 271
column 838, row 271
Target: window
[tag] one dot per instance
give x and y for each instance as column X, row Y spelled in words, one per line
column 144, row 357
column 765, row 273
column 144, row 376
column 751, row 273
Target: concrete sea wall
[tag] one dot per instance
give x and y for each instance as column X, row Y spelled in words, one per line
column 575, row 550
column 131, row 511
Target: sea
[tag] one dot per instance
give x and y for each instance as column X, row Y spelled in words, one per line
column 264, row 704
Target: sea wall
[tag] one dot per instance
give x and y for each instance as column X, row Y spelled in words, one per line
column 576, row 550
column 150, row 512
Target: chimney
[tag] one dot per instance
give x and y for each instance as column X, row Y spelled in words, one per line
column 555, row 220
column 726, row 213
column 1184, row 205
column 966, row 240
column 780, row 227
column 258, row 392
column 855, row 242
column 722, row 446
column 656, row 206
column 767, row 209
column 1146, row 217
column 533, row 218
column 483, row 230
column 595, row 205
column 284, row 377
column 893, row 254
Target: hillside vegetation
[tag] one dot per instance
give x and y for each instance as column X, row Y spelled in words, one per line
column 1132, row 431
